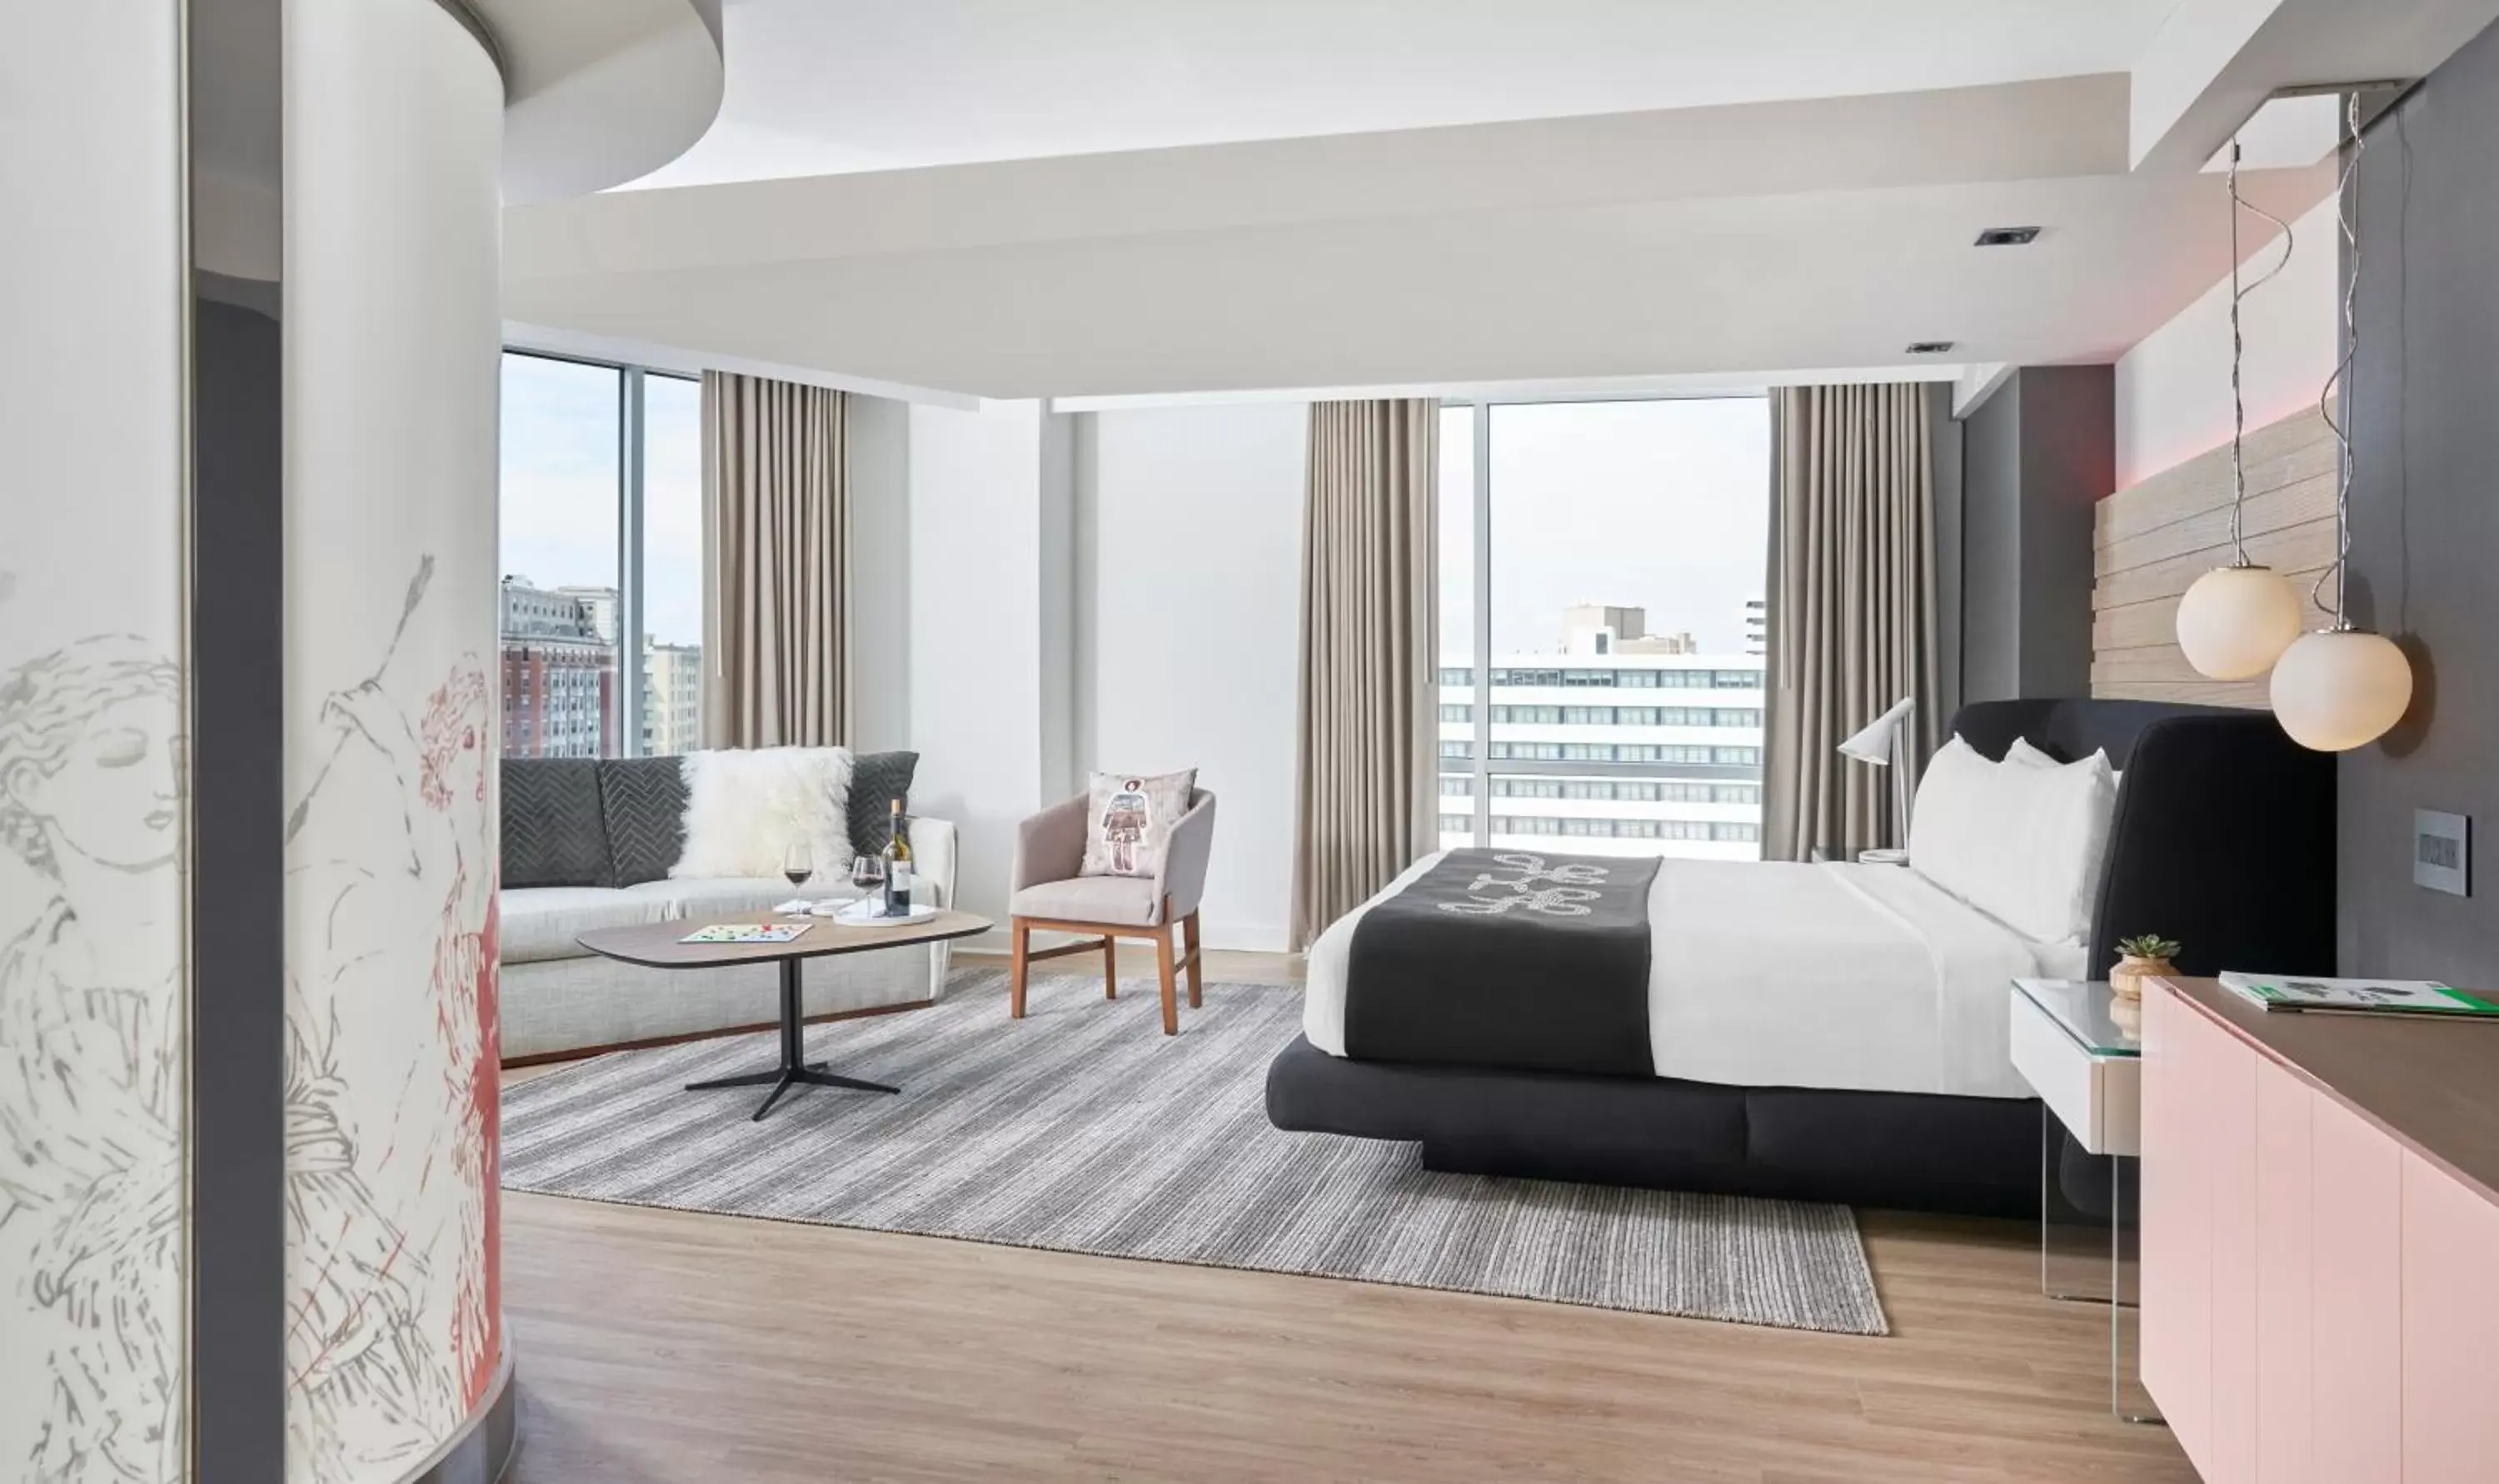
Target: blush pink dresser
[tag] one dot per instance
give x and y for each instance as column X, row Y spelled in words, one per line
column 2321, row 1241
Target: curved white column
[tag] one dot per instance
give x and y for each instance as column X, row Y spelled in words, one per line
column 93, row 685
column 393, row 154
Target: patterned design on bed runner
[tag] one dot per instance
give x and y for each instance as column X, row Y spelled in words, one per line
column 1081, row 1129
column 1572, row 890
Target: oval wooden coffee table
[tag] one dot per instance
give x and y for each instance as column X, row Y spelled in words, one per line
column 657, row 945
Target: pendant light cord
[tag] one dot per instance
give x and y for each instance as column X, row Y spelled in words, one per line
column 2345, row 461
column 2238, row 349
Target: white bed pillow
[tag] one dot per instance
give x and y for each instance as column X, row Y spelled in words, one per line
column 2028, row 756
column 1951, row 839
column 2022, row 842
column 745, row 807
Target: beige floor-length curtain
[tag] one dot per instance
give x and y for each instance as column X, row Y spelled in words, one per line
column 776, row 592
column 1366, row 799
column 1852, row 607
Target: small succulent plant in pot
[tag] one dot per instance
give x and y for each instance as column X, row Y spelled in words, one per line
column 2146, row 955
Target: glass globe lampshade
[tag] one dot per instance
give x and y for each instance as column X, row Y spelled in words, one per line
column 2339, row 688
column 2236, row 621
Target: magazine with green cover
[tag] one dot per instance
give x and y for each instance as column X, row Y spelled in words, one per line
column 2359, row 996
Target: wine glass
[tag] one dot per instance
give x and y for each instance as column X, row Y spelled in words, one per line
column 867, row 873
column 798, row 864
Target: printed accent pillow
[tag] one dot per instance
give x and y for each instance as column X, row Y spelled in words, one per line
column 1128, row 819
column 744, row 807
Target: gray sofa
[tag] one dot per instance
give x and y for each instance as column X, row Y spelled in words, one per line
column 587, row 845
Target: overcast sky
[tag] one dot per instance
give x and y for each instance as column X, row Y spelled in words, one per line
column 559, row 495
column 1662, row 505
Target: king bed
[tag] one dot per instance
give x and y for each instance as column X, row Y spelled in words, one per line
column 1821, row 1031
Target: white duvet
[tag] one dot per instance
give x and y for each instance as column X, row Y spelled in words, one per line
column 1783, row 975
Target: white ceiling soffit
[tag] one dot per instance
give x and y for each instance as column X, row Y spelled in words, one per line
column 597, row 92
column 1814, row 233
column 824, row 86
column 2215, row 62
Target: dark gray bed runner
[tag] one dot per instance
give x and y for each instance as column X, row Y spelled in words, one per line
column 1507, row 958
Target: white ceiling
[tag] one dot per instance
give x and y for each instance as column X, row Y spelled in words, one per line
column 1147, row 197
column 821, row 87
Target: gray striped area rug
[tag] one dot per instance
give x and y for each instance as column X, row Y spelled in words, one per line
column 1083, row 1128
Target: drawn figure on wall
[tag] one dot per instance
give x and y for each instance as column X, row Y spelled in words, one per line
column 90, row 1055
column 1124, row 822
column 394, row 1008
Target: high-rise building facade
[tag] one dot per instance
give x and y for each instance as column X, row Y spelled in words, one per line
column 559, row 676
column 1600, row 751
column 672, row 699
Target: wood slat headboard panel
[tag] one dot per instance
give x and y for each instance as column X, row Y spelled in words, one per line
column 2151, row 540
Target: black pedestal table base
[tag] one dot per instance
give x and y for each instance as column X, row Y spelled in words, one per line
column 794, row 1071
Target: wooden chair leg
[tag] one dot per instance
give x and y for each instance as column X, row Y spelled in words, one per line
column 1163, row 964
column 1110, row 967
column 1016, row 975
column 1191, row 944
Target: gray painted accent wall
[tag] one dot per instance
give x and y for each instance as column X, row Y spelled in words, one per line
column 1944, row 437
column 2037, row 456
column 237, row 916
column 2424, row 522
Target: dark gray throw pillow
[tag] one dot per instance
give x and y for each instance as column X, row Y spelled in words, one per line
column 644, row 799
column 877, row 780
column 552, row 832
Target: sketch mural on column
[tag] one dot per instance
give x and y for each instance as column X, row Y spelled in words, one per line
column 93, row 776
column 393, row 345
column 391, row 1203
column 90, row 1055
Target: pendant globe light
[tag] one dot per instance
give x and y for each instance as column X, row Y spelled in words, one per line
column 2342, row 687
column 2236, row 620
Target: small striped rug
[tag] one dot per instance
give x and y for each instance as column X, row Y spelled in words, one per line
column 1082, row 1128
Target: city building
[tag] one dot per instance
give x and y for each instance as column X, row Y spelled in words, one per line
column 1603, row 751
column 559, row 675
column 672, row 699
column 1757, row 625
column 600, row 604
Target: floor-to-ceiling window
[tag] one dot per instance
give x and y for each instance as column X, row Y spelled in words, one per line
column 672, row 565
column 603, row 558
column 1602, row 566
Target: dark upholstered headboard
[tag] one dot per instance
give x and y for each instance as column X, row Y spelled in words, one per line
column 2223, row 837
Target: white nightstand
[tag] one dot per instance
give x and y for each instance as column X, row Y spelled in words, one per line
column 2085, row 1063
column 2081, row 1048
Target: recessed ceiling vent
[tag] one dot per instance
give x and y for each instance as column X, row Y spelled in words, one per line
column 2008, row 237
column 1930, row 347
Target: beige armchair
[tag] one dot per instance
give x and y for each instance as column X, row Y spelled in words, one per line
column 1050, row 895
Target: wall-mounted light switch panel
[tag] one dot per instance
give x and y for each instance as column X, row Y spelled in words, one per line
column 2443, row 851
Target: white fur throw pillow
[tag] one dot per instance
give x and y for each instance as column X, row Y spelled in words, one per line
column 744, row 809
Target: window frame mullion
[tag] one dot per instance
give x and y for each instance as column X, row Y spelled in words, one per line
column 629, row 560
column 1482, row 554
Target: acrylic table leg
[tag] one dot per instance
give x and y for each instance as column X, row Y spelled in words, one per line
column 2070, row 1241
column 2128, row 1398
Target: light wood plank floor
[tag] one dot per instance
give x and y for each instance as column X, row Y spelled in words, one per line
column 658, row 1346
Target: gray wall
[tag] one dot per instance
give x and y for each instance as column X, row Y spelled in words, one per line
column 1944, row 435
column 2424, row 527
column 2036, row 455
column 238, row 875
column 880, row 472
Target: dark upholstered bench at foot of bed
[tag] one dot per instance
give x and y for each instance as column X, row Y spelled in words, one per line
column 1904, row 1151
